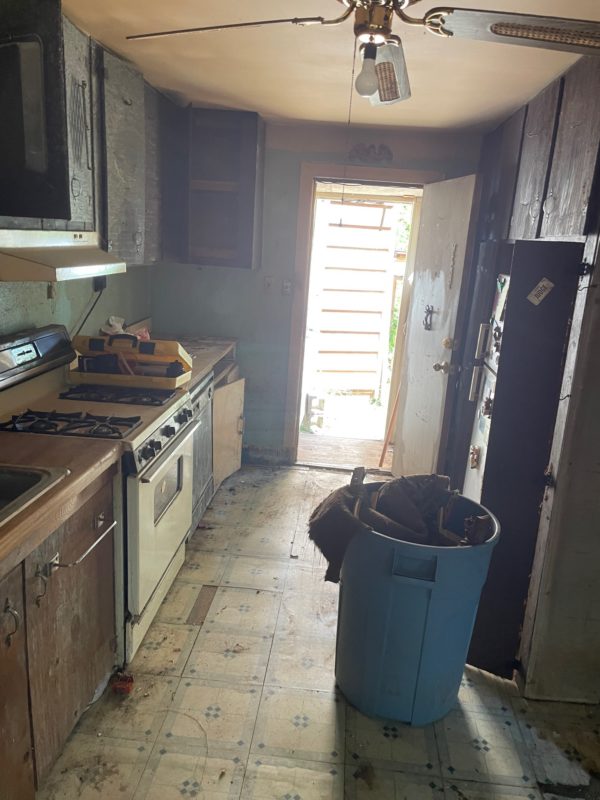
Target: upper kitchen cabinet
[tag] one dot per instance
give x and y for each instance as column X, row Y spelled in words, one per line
column 174, row 157
column 536, row 154
column 565, row 209
column 225, row 188
column 123, row 108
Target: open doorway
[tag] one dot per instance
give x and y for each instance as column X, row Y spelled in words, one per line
column 360, row 263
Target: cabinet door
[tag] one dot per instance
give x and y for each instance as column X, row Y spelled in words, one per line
column 16, row 759
column 575, row 154
column 228, row 429
column 79, row 124
column 538, row 140
column 225, row 188
column 70, row 624
column 124, row 159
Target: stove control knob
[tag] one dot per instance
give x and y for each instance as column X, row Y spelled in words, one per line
column 156, row 445
column 168, row 431
column 188, row 412
column 181, row 417
column 147, row 452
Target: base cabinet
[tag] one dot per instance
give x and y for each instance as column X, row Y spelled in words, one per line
column 16, row 756
column 228, row 429
column 69, row 591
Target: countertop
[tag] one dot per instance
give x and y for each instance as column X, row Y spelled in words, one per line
column 206, row 355
column 87, row 461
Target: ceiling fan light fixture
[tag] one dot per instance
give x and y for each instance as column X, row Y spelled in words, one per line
column 392, row 75
column 367, row 83
column 373, row 24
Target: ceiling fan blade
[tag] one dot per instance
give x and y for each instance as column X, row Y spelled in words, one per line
column 555, row 33
column 256, row 24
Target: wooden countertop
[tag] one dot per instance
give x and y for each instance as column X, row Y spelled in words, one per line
column 206, row 355
column 87, row 461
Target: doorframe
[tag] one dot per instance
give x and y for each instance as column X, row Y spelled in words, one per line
column 310, row 173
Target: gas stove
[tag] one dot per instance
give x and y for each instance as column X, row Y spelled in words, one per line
column 36, row 399
column 116, row 394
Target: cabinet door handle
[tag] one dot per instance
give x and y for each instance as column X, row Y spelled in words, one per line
column 57, row 564
column 39, row 573
column 8, row 609
column 482, row 338
column 474, row 388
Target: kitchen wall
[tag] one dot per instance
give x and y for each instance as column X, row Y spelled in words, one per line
column 26, row 305
column 252, row 306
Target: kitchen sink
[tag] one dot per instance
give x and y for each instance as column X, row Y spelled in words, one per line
column 21, row 486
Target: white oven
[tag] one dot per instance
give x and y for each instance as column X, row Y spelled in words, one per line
column 159, row 516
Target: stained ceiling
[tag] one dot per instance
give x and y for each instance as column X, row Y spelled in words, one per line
column 304, row 73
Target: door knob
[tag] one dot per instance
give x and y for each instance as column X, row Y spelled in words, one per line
column 443, row 367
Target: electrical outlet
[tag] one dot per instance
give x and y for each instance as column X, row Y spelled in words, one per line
column 286, row 287
column 99, row 283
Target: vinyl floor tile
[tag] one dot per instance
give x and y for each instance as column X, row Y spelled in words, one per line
column 302, row 662
column 187, row 773
column 465, row 790
column 253, row 611
column 365, row 783
column 486, row 748
column 308, row 614
column 165, row 649
column 179, row 602
column 203, row 567
column 91, row 768
column 213, row 538
column 266, row 574
column 235, row 657
column 293, row 723
column 285, row 779
column 267, row 541
column 217, row 716
column 138, row 716
column 386, row 744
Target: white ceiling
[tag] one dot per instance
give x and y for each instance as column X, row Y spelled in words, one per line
column 304, row 73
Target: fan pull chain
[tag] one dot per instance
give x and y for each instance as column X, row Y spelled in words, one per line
column 348, row 127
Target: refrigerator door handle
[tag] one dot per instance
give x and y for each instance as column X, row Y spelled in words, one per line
column 475, row 380
column 482, row 340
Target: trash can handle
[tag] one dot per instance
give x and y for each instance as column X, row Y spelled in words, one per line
column 415, row 571
column 413, row 581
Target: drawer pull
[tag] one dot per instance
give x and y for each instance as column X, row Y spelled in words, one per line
column 8, row 609
column 57, row 565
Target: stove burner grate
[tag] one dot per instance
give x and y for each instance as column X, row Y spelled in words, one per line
column 71, row 424
column 118, row 394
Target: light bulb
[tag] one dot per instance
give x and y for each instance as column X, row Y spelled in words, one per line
column 367, row 83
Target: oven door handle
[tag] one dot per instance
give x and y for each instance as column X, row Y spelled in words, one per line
column 152, row 473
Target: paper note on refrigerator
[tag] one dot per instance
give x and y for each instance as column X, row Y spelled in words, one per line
column 540, row 292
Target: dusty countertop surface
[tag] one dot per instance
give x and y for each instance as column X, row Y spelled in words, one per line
column 86, row 460
column 206, row 354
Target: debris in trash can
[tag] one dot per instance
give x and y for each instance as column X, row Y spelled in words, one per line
column 414, row 509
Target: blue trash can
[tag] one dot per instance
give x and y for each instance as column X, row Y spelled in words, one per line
column 406, row 615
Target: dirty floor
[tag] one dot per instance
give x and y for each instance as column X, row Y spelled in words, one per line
column 235, row 698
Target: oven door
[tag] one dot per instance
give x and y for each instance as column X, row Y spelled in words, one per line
column 159, row 516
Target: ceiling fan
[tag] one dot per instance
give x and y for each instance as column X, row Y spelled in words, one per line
column 384, row 78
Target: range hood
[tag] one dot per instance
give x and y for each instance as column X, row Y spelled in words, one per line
column 27, row 255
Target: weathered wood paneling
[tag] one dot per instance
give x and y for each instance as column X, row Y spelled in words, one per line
column 538, row 140
column 152, row 237
column 16, row 758
column 124, row 158
column 576, row 153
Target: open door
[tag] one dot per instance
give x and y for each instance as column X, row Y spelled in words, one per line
column 429, row 375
